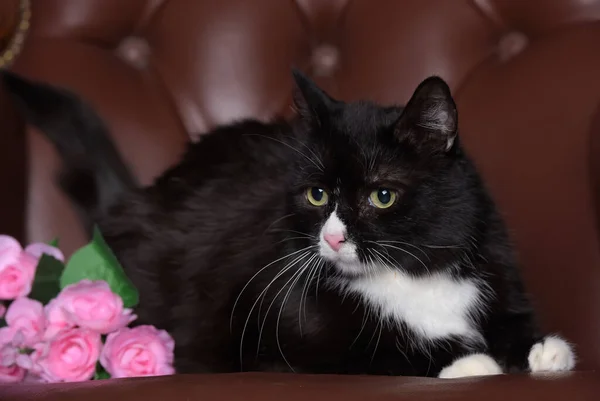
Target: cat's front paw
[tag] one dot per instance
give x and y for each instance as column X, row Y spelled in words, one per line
column 471, row 365
column 553, row 354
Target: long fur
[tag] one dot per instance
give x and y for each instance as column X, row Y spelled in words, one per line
column 94, row 174
column 229, row 256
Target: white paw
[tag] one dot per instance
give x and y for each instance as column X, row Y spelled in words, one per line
column 471, row 365
column 553, row 354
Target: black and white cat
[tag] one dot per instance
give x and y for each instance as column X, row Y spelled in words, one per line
column 355, row 239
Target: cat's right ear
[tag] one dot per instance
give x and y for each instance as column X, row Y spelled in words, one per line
column 430, row 118
column 310, row 101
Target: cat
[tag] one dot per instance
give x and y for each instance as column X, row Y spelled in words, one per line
column 352, row 239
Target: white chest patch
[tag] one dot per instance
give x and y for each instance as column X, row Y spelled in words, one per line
column 435, row 307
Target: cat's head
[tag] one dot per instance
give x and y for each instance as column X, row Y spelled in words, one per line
column 383, row 187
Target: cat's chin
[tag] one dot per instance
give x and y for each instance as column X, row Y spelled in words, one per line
column 345, row 260
column 350, row 269
column 346, row 267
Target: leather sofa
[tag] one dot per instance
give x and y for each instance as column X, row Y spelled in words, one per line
column 525, row 77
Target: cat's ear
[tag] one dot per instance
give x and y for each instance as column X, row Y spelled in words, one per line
column 430, row 117
column 310, row 101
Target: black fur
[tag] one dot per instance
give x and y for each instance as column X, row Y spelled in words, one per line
column 92, row 162
column 207, row 238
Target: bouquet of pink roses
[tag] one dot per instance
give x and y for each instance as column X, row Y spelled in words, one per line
column 69, row 322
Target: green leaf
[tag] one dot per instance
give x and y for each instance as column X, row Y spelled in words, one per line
column 2, row 323
column 26, row 351
column 54, row 242
column 96, row 261
column 46, row 284
column 101, row 373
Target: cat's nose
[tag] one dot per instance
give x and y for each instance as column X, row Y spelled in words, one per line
column 335, row 241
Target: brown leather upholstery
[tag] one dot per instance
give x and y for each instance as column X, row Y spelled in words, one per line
column 594, row 151
column 12, row 170
column 582, row 386
column 12, row 140
column 525, row 75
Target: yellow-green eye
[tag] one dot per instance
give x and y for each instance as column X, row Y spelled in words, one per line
column 382, row 198
column 317, row 196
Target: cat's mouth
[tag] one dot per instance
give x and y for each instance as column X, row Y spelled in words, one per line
column 344, row 257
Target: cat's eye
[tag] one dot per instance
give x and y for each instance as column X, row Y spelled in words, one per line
column 382, row 198
column 317, row 196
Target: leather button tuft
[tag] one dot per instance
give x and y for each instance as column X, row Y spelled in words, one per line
column 511, row 45
column 325, row 59
column 134, row 51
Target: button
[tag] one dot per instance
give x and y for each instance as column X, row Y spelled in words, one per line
column 134, row 51
column 325, row 59
column 512, row 44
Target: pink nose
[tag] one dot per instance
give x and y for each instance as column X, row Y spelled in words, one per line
column 335, row 241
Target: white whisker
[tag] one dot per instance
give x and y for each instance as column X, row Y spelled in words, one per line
column 403, row 250
column 278, row 220
column 320, row 269
column 295, row 275
column 298, row 274
column 403, row 353
column 291, row 147
column 317, row 158
column 254, row 276
column 261, row 295
column 284, row 270
column 366, row 315
column 309, row 269
column 407, row 244
column 378, row 339
column 304, row 295
column 385, row 261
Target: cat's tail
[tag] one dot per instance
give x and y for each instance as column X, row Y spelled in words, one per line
column 94, row 174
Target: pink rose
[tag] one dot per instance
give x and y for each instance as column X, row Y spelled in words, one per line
column 10, row 371
column 10, row 344
column 26, row 315
column 56, row 319
column 11, row 374
column 8, row 354
column 71, row 356
column 88, row 304
column 26, row 356
column 17, row 269
column 17, row 266
column 39, row 248
column 32, row 378
column 30, row 361
column 138, row 351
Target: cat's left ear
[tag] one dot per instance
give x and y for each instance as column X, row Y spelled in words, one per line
column 311, row 101
column 430, row 117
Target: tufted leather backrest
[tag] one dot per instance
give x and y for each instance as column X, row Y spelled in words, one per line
column 524, row 73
